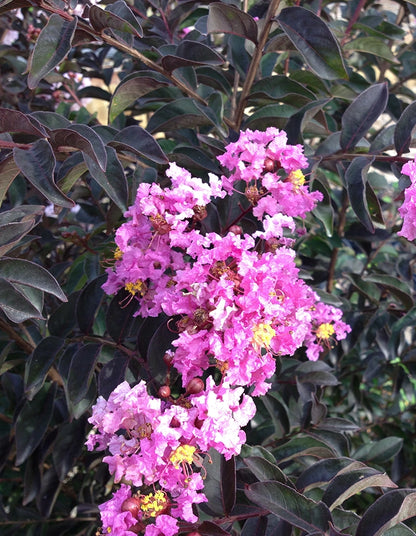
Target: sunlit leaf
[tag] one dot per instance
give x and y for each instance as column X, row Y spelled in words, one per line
column 314, row 40
column 226, row 18
column 290, row 505
column 387, row 511
column 52, row 45
column 361, row 114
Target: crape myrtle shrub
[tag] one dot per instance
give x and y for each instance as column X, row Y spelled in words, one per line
column 257, row 315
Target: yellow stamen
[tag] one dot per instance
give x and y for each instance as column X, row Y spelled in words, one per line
column 325, row 331
column 118, row 254
column 262, row 335
column 183, row 454
column 136, row 288
column 297, row 178
column 153, row 504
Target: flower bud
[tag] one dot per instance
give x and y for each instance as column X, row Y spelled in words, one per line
column 236, row 229
column 195, row 386
column 164, row 391
column 131, row 505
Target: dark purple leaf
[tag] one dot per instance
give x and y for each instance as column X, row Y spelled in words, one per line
column 132, row 88
column 103, row 20
column 290, row 505
column 88, row 302
column 15, row 304
column 387, row 511
column 81, row 371
column 68, row 446
column 191, row 53
column 314, row 40
column 226, row 18
column 356, row 178
column 112, row 180
column 15, row 121
column 112, row 374
column 361, row 114
column 85, row 139
column 52, row 45
column 404, row 129
column 228, row 484
column 137, row 140
column 32, row 422
column 39, row 363
column 38, row 164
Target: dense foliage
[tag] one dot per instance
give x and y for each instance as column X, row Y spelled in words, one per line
column 97, row 100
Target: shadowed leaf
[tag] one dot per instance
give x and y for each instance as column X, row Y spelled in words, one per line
column 14, row 303
column 137, row 140
column 15, row 121
column 38, row 164
column 85, row 139
column 404, row 129
column 356, row 178
column 39, row 364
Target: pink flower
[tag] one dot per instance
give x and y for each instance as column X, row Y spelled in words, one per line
column 408, row 208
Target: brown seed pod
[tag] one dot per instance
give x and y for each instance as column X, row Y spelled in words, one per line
column 131, row 505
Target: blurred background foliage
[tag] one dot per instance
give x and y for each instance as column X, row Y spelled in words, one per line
column 96, row 98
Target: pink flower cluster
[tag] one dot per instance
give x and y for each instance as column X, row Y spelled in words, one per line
column 154, row 444
column 408, row 209
column 237, row 300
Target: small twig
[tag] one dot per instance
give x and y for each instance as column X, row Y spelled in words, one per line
column 255, row 61
column 24, row 345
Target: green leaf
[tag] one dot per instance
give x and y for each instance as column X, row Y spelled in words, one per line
column 32, row 422
column 52, row 45
column 38, row 164
column 380, row 451
column 8, row 172
column 356, row 178
column 264, row 470
column 137, row 140
column 361, row 114
column 39, row 363
column 314, row 40
column 132, row 88
column 371, row 45
column 349, row 483
column 113, row 180
column 81, row 372
column 226, row 18
column 387, row 511
column 14, row 303
column 85, row 139
column 16, row 223
column 404, row 129
column 51, row 120
column 395, row 286
column 15, row 121
column 30, row 274
column 302, row 446
column 290, row 505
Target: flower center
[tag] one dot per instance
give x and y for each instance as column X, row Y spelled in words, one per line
column 183, row 454
column 136, row 288
column 262, row 335
column 297, row 178
column 153, row 504
column 325, row 331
